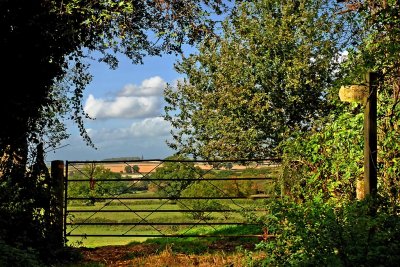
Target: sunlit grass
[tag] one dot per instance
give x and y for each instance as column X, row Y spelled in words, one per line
column 135, row 214
column 124, row 217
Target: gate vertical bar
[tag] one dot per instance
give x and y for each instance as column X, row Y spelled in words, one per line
column 57, row 174
column 65, row 201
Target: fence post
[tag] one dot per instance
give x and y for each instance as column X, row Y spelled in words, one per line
column 57, row 176
column 370, row 136
column 368, row 96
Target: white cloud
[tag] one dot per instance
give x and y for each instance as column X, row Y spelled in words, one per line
column 153, row 86
column 123, row 107
column 143, row 104
column 133, row 101
column 151, row 127
column 144, row 129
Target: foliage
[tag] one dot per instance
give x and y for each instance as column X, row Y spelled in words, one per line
column 315, row 233
column 325, row 162
column 28, row 212
column 328, row 160
column 132, row 169
column 322, row 222
column 128, row 169
column 245, row 188
column 203, row 207
column 61, row 37
column 135, row 168
column 248, row 90
column 89, row 187
column 50, row 43
column 259, row 172
column 175, row 167
column 267, row 75
column 319, row 221
column 11, row 256
column 220, row 173
column 378, row 52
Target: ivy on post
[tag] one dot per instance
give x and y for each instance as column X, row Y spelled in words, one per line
column 366, row 94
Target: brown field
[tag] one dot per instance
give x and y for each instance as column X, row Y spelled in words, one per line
column 151, row 166
column 147, row 167
column 144, row 167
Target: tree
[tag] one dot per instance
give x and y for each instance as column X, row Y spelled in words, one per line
column 378, row 51
column 48, row 42
column 202, row 208
column 333, row 151
column 135, row 168
column 267, row 75
column 176, row 167
column 228, row 165
column 132, row 169
column 90, row 187
column 323, row 166
column 128, row 169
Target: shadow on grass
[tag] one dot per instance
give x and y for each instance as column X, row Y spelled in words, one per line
column 229, row 239
column 229, row 242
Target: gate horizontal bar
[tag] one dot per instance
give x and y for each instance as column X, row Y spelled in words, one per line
column 162, row 235
column 265, row 161
column 172, row 179
column 159, row 211
column 160, row 198
column 161, row 223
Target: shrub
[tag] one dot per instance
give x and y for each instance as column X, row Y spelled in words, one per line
column 315, row 233
column 12, row 256
column 176, row 169
column 204, row 206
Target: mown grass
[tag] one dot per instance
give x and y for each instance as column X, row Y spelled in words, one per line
column 201, row 245
column 157, row 205
column 122, row 217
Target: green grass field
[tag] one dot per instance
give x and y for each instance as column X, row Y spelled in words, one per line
column 139, row 216
column 150, row 211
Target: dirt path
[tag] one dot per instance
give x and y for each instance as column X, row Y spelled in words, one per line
column 221, row 254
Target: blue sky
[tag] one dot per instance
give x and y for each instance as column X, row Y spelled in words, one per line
column 127, row 104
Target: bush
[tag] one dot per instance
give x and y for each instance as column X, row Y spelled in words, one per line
column 175, row 169
column 90, row 187
column 325, row 162
column 15, row 257
column 315, row 233
column 201, row 189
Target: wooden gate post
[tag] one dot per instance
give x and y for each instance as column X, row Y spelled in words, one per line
column 57, row 176
column 370, row 136
column 368, row 96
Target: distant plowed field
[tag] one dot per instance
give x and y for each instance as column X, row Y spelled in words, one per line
column 146, row 167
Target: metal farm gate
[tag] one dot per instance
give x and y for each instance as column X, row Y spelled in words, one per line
column 165, row 198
